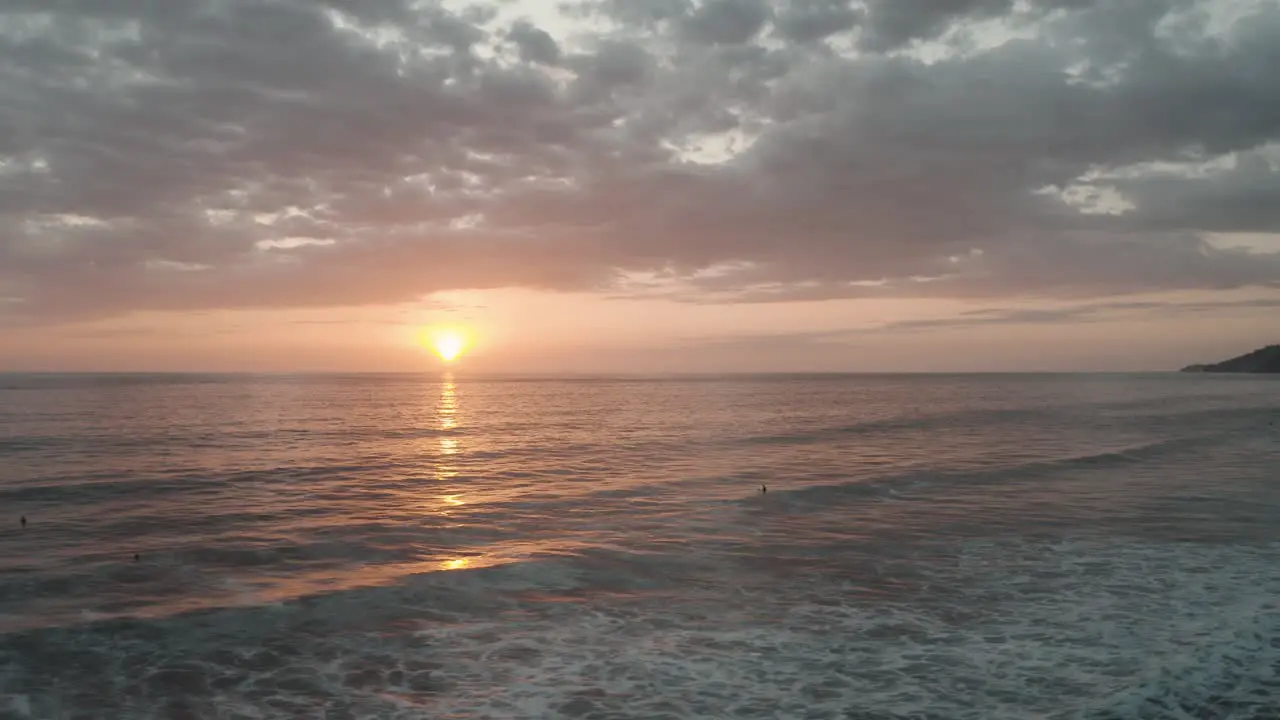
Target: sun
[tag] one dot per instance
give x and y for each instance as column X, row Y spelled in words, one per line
column 447, row 343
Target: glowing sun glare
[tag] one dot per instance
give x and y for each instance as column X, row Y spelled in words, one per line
column 449, row 344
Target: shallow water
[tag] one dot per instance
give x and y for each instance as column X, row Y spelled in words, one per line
column 1032, row 546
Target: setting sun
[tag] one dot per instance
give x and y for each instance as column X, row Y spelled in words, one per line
column 447, row 343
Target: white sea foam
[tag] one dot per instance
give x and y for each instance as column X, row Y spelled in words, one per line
column 1079, row 629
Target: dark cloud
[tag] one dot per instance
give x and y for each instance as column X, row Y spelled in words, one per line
column 536, row 45
column 1244, row 198
column 728, row 22
column 892, row 23
column 280, row 153
column 805, row 21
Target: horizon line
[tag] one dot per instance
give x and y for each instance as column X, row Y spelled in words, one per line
column 572, row 374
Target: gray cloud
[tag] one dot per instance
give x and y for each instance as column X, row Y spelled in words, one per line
column 536, row 45
column 727, row 22
column 1245, row 198
column 805, row 21
column 1086, row 312
column 1063, row 314
column 202, row 154
column 892, row 23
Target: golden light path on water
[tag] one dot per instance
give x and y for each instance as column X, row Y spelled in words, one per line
column 445, row 470
column 436, row 492
column 443, row 494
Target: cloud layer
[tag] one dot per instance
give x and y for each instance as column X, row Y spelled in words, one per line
column 282, row 153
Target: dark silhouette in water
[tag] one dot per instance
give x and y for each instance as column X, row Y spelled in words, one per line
column 136, row 557
column 764, row 489
column 24, row 521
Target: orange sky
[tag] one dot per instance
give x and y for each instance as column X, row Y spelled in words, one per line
column 525, row 331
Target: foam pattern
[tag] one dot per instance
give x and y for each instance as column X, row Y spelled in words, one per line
column 1081, row 629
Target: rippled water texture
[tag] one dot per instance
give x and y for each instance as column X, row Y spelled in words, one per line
column 422, row 547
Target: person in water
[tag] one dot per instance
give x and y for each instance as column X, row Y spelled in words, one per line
column 24, row 521
column 764, row 489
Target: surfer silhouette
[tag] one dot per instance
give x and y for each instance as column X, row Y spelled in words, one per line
column 764, row 489
column 23, row 521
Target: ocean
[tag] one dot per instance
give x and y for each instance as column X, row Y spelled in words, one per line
column 1101, row 547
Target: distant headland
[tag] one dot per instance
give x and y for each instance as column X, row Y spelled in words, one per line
column 1264, row 360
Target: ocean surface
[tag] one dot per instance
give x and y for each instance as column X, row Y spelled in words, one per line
column 421, row 546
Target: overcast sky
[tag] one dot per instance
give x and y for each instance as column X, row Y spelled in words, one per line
column 638, row 185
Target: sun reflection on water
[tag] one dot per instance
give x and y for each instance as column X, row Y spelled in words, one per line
column 447, row 408
column 444, row 467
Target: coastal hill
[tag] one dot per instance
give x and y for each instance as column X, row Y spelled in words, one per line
column 1264, row 360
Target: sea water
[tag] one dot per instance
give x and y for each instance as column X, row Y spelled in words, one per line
column 426, row 546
